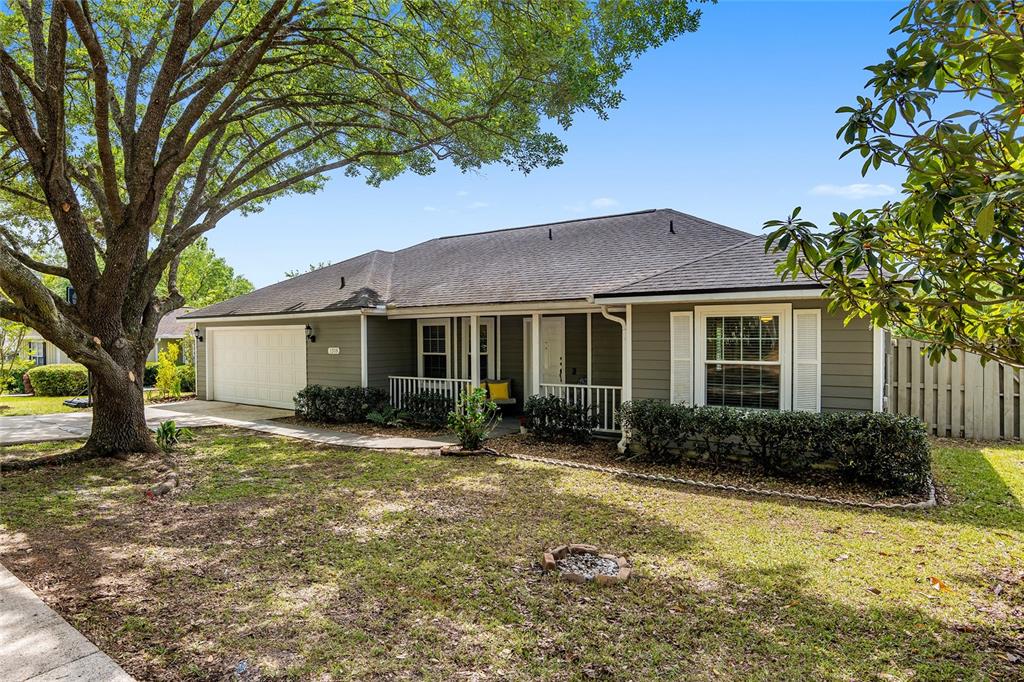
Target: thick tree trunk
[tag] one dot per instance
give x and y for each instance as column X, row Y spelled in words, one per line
column 118, row 414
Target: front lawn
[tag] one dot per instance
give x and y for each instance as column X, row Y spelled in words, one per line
column 277, row 558
column 11, row 406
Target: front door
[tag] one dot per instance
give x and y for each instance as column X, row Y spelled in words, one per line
column 552, row 351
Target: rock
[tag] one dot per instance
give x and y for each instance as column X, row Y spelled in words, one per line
column 549, row 562
column 162, row 488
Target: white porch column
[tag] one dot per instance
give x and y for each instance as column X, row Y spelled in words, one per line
column 535, row 353
column 627, row 355
column 474, row 350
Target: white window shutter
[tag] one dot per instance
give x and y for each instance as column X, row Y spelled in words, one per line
column 807, row 360
column 682, row 358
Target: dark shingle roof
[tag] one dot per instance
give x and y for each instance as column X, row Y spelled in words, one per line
column 568, row 260
column 743, row 266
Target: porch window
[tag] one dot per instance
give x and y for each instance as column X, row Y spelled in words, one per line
column 742, row 361
column 37, row 352
column 433, row 347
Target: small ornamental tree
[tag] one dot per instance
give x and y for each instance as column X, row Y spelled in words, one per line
column 945, row 263
column 134, row 128
column 168, row 381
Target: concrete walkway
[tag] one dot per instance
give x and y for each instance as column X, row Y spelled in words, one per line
column 192, row 413
column 37, row 644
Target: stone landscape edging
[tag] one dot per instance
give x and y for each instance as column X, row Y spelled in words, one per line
column 927, row 503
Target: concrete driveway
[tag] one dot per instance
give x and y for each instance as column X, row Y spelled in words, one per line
column 75, row 425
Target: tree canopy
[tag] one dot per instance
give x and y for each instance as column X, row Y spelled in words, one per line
column 136, row 127
column 945, row 263
column 204, row 278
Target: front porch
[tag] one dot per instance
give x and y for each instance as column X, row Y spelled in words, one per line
column 576, row 355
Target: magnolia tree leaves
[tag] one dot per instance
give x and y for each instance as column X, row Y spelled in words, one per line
column 945, row 263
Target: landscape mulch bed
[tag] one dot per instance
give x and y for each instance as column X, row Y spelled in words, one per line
column 604, row 453
column 368, row 429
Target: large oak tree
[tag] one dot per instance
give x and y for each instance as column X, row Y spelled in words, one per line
column 137, row 126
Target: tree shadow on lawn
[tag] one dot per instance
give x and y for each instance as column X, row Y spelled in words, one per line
column 304, row 561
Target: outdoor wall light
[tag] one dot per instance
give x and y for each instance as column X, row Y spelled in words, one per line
column 310, row 336
column 198, row 333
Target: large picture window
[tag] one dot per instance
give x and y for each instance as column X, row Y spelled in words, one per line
column 742, row 361
column 433, row 347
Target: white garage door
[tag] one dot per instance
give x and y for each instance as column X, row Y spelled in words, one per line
column 257, row 365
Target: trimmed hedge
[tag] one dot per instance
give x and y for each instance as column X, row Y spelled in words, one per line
column 341, row 404
column 57, row 380
column 553, row 418
column 428, row 409
column 885, row 451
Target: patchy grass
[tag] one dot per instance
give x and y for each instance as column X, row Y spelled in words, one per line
column 11, row 406
column 313, row 562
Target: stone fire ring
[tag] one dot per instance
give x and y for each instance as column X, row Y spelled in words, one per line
column 553, row 556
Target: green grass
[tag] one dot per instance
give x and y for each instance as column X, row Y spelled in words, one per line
column 16, row 407
column 310, row 562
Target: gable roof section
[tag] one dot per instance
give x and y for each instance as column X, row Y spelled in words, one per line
column 743, row 266
column 560, row 261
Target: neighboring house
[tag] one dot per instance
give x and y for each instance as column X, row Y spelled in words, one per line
column 173, row 329
column 653, row 304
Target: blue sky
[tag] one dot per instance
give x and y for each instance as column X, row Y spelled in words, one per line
column 734, row 123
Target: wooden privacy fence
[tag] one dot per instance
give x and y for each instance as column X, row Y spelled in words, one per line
column 959, row 399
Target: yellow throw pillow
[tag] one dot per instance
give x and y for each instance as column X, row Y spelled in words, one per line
column 498, row 389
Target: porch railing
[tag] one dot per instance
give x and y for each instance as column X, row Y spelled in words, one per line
column 403, row 387
column 603, row 400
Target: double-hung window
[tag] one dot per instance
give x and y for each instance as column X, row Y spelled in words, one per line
column 742, row 356
column 433, row 348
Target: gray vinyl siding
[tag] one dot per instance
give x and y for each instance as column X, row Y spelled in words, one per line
column 390, row 349
column 575, row 348
column 343, row 369
column 512, row 360
column 606, row 351
column 846, row 369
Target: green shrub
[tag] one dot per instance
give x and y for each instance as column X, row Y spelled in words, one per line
column 187, row 375
column 340, row 404
column 428, row 409
column 881, row 450
column 716, row 433
column 169, row 434
column 56, row 380
column 386, row 416
column 149, row 374
column 885, row 450
column 12, row 377
column 781, row 442
column 553, row 418
column 168, row 381
column 656, row 426
column 473, row 418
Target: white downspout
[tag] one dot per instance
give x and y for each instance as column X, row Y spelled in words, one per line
column 627, row 361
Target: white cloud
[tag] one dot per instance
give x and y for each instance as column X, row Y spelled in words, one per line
column 479, row 204
column 604, row 202
column 857, row 190
column 430, row 209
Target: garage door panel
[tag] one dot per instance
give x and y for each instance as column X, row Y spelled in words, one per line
column 258, row 366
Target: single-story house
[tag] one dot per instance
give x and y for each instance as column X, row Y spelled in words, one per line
column 652, row 304
column 173, row 328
